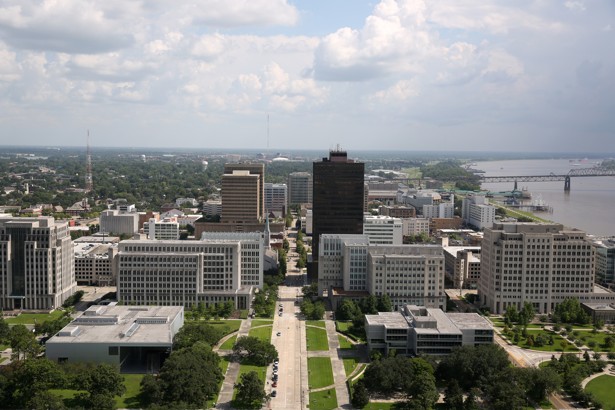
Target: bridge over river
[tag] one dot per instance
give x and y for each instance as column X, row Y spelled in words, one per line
column 574, row 173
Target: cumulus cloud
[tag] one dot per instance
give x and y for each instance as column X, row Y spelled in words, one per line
column 224, row 13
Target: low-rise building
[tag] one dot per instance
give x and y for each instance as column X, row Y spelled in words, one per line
column 417, row 330
column 137, row 339
column 383, row 230
column 415, row 226
column 94, row 263
column 165, row 229
column 114, row 221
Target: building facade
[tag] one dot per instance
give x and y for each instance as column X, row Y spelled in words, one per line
column 299, row 188
column 234, row 197
column 222, row 266
column 166, row 229
column 415, row 226
column 114, row 221
column 95, row 263
column 538, row 263
column 605, row 262
column 275, row 197
column 462, row 265
column 37, row 263
column 337, row 200
column 476, row 211
column 383, row 230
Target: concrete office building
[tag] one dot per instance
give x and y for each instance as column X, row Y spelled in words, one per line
column 383, row 230
column 338, row 200
column 442, row 210
column 37, row 268
column 232, row 189
column 299, row 188
column 397, row 211
column 165, row 229
column 476, row 212
column 605, row 261
column 222, row 266
column 95, row 263
column 415, row 226
column 538, row 263
column 136, row 339
column 409, row 274
column 114, row 221
column 275, row 197
column 343, row 262
column 418, row 330
column 462, row 265
column 211, row 208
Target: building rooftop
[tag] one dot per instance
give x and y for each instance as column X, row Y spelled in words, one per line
column 469, row 321
column 388, row 320
column 600, row 306
column 443, row 324
column 122, row 325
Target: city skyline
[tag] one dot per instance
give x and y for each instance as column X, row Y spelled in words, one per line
column 408, row 74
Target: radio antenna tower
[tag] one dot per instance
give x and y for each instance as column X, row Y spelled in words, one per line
column 89, row 186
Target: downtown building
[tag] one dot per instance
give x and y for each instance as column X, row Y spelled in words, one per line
column 243, row 193
column 221, row 266
column 123, row 221
column 275, row 198
column 299, row 188
column 338, row 201
column 538, row 263
column 351, row 267
column 383, row 230
column 37, row 270
column 476, row 212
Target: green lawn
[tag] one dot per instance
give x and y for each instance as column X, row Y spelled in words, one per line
column 32, row 318
column 316, row 339
column 130, row 399
column 229, row 343
column 317, row 323
column 379, row 406
column 344, row 343
column 320, row 373
column 3, row 347
column 555, row 347
column 346, row 328
column 603, row 387
column 261, row 322
column 350, row 363
column 227, row 326
column 262, row 333
column 323, row 400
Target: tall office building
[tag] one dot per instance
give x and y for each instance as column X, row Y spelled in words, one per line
column 253, row 169
column 476, row 211
column 299, row 188
column 337, row 200
column 240, row 197
column 538, row 263
column 275, row 197
column 37, row 264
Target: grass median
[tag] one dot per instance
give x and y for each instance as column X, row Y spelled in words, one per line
column 323, row 400
column 320, row 373
column 316, row 339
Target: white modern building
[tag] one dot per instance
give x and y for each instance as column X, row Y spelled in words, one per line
column 137, row 339
column 114, row 221
column 476, row 211
column 299, row 188
column 275, row 197
column 94, row 263
column 418, row 330
column 462, row 265
column 37, row 265
column 222, row 266
column 164, row 229
column 605, row 261
column 383, row 230
column 538, row 263
column 342, row 262
column 442, row 210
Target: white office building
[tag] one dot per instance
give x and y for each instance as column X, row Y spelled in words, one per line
column 37, row 264
column 538, row 263
column 117, row 222
column 383, row 230
column 462, row 265
column 477, row 212
column 222, row 266
column 164, row 229
column 443, row 210
column 94, row 263
column 415, row 226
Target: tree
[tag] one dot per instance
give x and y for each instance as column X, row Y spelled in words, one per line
column 103, row 379
column 506, row 390
column 453, row 396
column 511, row 315
column 369, row 305
column 527, row 313
column 541, row 382
column 384, row 303
column 33, row 376
column 150, row 392
column 360, row 396
column 4, row 330
column 570, row 311
column 347, row 310
column 422, row 389
column 23, row 342
column 255, row 351
column 44, row 400
column 250, row 391
column 310, row 291
column 193, row 332
column 190, row 375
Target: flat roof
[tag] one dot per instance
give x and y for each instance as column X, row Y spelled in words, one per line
column 603, row 307
column 388, row 319
column 122, row 326
column 469, row 321
column 444, row 324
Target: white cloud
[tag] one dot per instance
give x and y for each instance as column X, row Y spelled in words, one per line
column 224, row 13
column 575, row 5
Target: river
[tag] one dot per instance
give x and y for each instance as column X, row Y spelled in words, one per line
column 589, row 206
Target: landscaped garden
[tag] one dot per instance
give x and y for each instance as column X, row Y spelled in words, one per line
column 320, row 373
column 261, row 322
column 350, row 363
column 33, row 318
column 323, row 400
column 317, row 323
column 316, row 339
column 344, row 343
column 229, row 343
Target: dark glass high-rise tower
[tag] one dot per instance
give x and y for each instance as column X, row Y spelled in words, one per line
column 337, row 200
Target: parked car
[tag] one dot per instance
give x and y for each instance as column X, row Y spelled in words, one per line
column 274, row 393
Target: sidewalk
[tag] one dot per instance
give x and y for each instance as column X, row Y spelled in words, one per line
column 226, row 392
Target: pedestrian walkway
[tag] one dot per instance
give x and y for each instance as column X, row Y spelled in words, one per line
column 609, row 370
column 226, row 392
column 337, row 365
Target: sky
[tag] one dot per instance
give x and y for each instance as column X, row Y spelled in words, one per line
column 451, row 75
